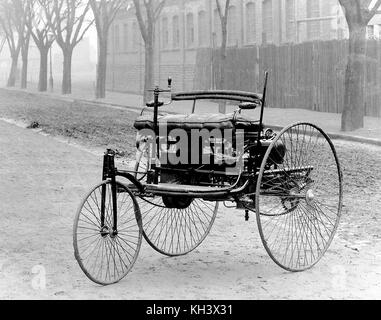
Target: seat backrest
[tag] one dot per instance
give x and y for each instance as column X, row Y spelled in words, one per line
column 231, row 95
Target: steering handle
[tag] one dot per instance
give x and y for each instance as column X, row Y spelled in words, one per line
column 157, row 91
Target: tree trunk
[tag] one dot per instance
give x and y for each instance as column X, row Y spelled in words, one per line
column 24, row 68
column 43, row 76
column 13, row 72
column 100, row 90
column 148, row 72
column 354, row 104
column 66, row 77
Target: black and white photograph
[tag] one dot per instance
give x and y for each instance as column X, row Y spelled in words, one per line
column 195, row 150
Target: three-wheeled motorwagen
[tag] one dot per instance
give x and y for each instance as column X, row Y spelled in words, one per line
column 290, row 179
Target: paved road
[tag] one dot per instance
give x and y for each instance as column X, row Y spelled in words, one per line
column 42, row 182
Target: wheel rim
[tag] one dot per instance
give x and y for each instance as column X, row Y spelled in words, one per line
column 105, row 256
column 176, row 232
column 298, row 208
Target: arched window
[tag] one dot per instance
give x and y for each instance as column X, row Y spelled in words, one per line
column 116, row 38
column 290, row 20
column 232, row 26
column 135, row 37
column 202, row 29
column 313, row 27
column 190, row 30
column 125, row 37
column 250, row 23
column 217, row 28
column 176, row 32
column 267, row 21
column 165, row 33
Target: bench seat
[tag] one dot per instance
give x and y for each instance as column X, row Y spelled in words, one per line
column 199, row 121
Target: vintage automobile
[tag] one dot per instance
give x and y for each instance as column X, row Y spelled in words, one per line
column 189, row 164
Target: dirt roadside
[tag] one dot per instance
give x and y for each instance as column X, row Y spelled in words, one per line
column 43, row 180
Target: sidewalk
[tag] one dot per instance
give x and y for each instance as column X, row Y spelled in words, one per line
column 273, row 117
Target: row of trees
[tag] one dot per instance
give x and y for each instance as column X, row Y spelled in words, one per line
column 66, row 22
column 44, row 21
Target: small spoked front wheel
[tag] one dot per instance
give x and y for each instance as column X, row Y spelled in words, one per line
column 105, row 252
column 299, row 198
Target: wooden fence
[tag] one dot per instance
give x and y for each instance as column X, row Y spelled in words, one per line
column 309, row 75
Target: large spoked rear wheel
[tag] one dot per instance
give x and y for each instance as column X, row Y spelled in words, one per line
column 106, row 255
column 299, row 201
column 173, row 226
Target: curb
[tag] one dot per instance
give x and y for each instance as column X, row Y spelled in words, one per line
column 332, row 135
column 106, row 104
column 73, row 100
column 340, row 136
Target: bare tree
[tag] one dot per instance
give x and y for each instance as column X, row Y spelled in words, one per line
column 358, row 15
column 2, row 42
column 7, row 21
column 40, row 30
column 223, row 14
column 104, row 13
column 67, row 20
column 24, row 37
column 147, row 17
column 13, row 23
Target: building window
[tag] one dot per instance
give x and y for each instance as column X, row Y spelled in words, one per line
column 313, row 27
column 232, row 26
column 165, row 33
column 370, row 32
column 267, row 21
column 290, row 20
column 217, row 30
column 125, row 37
column 176, row 32
column 250, row 23
column 116, row 38
column 202, row 29
column 190, row 30
column 135, row 32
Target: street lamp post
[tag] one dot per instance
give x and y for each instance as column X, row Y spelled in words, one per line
column 51, row 64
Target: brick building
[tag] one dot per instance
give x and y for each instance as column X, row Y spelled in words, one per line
column 187, row 25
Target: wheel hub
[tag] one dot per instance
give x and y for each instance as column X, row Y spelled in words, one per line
column 113, row 234
column 177, row 202
column 310, row 196
column 291, row 203
column 105, row 231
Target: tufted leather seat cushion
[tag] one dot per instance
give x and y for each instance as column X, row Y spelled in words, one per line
column 199, row 121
